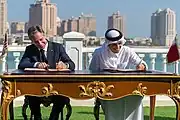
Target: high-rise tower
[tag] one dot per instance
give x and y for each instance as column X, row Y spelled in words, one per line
column 3, row 17
column 44, row 13
column 163, row 27
column 87, row 24
column 116, row 21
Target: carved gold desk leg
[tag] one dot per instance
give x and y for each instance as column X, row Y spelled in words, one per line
column 4, row 108
column 152, row 106
column 174, row 94
column 178, row 110
column 177, row 102
column 6, row 99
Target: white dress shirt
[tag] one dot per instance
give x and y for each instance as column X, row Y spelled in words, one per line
column 45, row 53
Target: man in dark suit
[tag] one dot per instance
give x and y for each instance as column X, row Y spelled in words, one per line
column 45, row 54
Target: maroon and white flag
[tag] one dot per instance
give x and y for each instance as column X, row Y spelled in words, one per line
column 173, row 53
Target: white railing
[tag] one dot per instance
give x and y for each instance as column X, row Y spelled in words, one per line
column 154, row 57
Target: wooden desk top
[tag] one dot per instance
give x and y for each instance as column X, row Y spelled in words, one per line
column 86, row 75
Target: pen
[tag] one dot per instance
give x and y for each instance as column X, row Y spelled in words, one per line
column 47, row 68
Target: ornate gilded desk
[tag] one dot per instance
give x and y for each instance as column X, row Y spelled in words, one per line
column 87, row 84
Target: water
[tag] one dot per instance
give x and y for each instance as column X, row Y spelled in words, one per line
column 159, row 63
column 10, row 60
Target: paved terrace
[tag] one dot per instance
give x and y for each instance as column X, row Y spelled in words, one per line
column 160, row 101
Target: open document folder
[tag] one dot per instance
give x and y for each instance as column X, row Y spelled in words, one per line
column 123, row 70
column 37, row 69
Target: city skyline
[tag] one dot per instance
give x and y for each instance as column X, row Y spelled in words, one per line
column 137, row 13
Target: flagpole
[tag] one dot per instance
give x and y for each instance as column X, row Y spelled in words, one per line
column 6, row 64
column 7, row 53
column 177, row 61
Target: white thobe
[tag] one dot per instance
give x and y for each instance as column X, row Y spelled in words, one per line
column 126, row 108
column 103, row 58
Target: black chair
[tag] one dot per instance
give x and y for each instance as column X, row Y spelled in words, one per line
column 26, row 103
column 25, row 106
column 97, row 109
column 11, row 112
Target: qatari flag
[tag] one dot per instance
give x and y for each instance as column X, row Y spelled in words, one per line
column 173, row 53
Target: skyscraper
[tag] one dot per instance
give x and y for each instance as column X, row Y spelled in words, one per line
column 87, row 24
column 3, row 17
column 17, row 27
column 44, row 13
column 72, row 24
column 64, row 27
column 116, row 21
column 163, row 27
column 26, row 26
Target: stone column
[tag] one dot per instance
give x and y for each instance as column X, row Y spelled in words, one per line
column 153, row 56
column 73, row 42
column 164, row 62
column 3, row 64
column 16, row 56
column 142, row 56
column 176, row 67
column 89, row 58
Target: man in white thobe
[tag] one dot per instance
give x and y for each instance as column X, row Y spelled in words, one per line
column 114, row 55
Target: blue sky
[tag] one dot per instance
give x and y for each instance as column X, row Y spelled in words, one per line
column 137, row 12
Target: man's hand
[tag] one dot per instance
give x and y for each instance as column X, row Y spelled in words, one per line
column 141, row 67
column 42, row 65
column 61, row 65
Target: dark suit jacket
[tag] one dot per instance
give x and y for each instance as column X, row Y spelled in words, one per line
column 55, row 53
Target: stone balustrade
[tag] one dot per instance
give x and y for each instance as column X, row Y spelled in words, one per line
column 155, row 57
column 151, row 58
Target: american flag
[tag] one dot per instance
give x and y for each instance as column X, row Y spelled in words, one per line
column 5, row 46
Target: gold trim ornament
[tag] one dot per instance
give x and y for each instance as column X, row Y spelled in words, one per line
column 95, row 89
column 140, row 90
column 49, row 90
column 18, row 92
column 176, row 93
